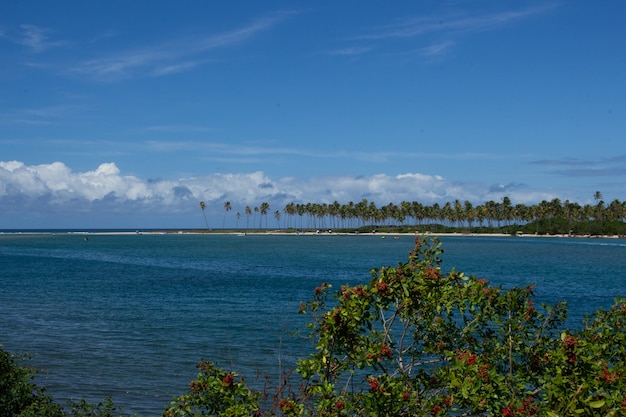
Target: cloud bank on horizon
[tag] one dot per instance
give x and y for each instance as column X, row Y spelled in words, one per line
column 111, row 119
column 54, row 189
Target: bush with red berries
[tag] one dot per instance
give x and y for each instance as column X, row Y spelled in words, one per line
column 416, row 341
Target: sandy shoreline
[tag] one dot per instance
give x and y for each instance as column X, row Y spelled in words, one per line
column 309, row 233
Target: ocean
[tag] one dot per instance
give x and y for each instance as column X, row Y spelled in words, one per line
column 129, row 316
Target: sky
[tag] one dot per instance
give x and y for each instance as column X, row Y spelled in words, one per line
column 127, row 114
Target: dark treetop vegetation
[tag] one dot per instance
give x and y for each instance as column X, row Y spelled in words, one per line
column 547, row 217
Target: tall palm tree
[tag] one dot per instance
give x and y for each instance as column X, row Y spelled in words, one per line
column 599, row 209
column 481, row 214
column 556, row 208
column 406, row 210
column 202, row 207
column 277, row 217
column 597, row 196
column 248, row 214
column 541, row 214
column 333, row 211
column 300, row 209
column 521, row 213
column 469, row 212
column 361, row 211
column 256, row 210
column 615, row 210
column 447, row 214
column 228, row 208
column 491, row 212
column 290, row 211
column 507, row 210
column 458, row 212
column 419, row 212
column 264, row 209
column 434, row 213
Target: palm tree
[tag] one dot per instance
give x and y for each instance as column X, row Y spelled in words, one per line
column 238, row 216
column 447, row 214
column 481, row 214
column 202, row 207
column 556, row 208
column 469, row 213
column 361, row 211
column 290, row 210
column 491, row 212
column 599, row 210
column 597, row 196
column 521, row 213
column 571, row 212
column 615, row 210
column 227, row 207
column 541, row 214
column 418, row 211
column 277, row 217
column 256, row 210
column 507, row 210
column 264, row 208
column 434, row 213
column 333, row 211
column 458, row 213
column 248, row 214
column 300, row 209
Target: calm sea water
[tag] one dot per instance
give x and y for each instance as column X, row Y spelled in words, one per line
column 129, row 316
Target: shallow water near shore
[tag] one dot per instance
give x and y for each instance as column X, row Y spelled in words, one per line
column 129, row 316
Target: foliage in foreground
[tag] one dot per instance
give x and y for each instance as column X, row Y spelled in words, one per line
column 414, row 341
column 417, row 342
column 21, row 397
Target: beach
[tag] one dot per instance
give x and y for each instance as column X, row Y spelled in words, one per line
column 332, row 233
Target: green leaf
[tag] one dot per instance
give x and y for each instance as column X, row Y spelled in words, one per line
column 597, row 404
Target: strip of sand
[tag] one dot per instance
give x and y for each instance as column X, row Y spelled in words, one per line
column 327, row 233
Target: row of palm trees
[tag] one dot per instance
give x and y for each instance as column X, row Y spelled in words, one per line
column 455, row 214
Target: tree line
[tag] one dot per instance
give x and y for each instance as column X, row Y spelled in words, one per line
column 546, row 217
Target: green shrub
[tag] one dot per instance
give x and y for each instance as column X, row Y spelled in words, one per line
column 415, row 341
column 19, row 395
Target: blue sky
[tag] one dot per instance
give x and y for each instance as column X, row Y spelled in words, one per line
column 127, row 114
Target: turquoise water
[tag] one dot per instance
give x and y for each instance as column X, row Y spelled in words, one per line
column 129, row 316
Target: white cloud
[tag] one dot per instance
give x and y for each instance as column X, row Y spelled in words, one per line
column 55, row 189
column 178, row 128
column 175, row 68
column 36, row 38
column 436, row 49
column 353, row 51
column 37, row 115
column 56, row 184
column 413, row 27
column 171, row 57
column 450, row 26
